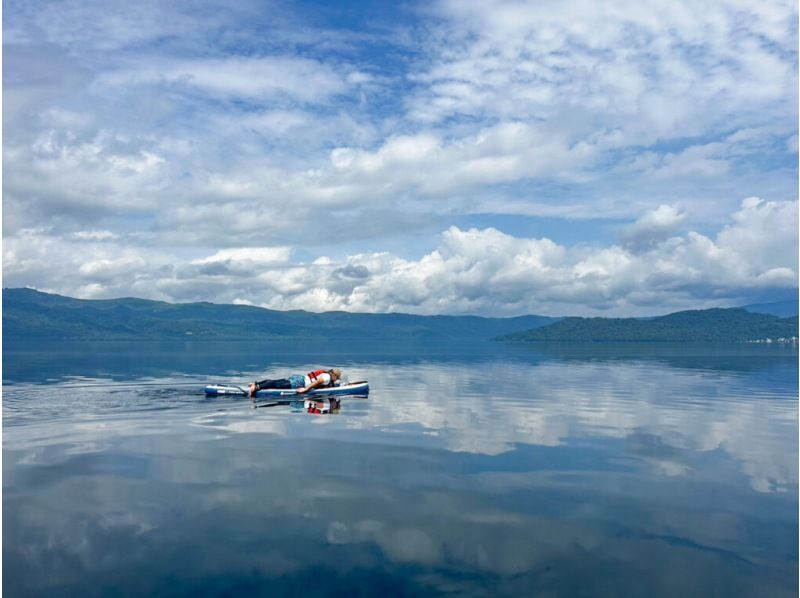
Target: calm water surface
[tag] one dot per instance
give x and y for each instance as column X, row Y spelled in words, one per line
column 632, row 470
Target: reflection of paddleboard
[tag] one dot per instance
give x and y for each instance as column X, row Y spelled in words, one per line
column 353, row 388
column 322, row 406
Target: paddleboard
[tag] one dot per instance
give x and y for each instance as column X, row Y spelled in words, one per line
column 353, row 388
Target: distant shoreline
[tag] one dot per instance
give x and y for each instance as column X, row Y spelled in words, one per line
column 30, row 315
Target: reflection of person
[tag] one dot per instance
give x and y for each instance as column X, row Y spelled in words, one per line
column 302, row 383
column 322, row 407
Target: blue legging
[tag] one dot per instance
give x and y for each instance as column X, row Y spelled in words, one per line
column 293, row 381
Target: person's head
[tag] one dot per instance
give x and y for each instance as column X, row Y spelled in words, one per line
column 336, row 373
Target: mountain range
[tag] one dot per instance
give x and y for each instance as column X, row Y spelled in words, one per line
column 707, row 325
column 33, row 315
column 30, row 314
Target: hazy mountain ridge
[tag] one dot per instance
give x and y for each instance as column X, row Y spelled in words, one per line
column 783, row 309
column 708, row 325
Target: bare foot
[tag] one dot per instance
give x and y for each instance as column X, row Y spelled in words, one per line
column 252, row 389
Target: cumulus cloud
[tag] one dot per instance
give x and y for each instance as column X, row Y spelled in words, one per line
column 111, row 270
column 501, row 153
column 481, row 271
column 226, row 131
column 654, row 226
column 248, row 255
column 766, row 232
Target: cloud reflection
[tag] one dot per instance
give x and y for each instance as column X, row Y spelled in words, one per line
column 513, row 476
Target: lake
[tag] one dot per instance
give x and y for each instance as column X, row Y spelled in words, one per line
column 548, row 470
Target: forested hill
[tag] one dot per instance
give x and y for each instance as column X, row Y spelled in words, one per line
column 708, row 325
column 31, row 315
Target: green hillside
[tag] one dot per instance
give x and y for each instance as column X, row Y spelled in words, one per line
column 31, row 315
column 709, row 325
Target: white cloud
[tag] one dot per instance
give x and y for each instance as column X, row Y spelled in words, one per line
column 58, row 175
column 249, row 256
column 481, row 271
column 95, row 30
column 663, row 217
column 94, row 235
column 112, row 270
column 81, row 267
column 693, row 161
column 502, row 153
column 649, row 69
column 654, row 226
column 551, row 94
column 196, row 133
column 296, row 78
column 765, row 232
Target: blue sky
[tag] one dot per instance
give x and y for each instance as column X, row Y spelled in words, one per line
column 490, row 157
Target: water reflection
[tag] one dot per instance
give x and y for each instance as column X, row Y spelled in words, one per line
column 475, row 475
column 59, row 361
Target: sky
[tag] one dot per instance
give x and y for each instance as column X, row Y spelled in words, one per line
column 487, row 157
